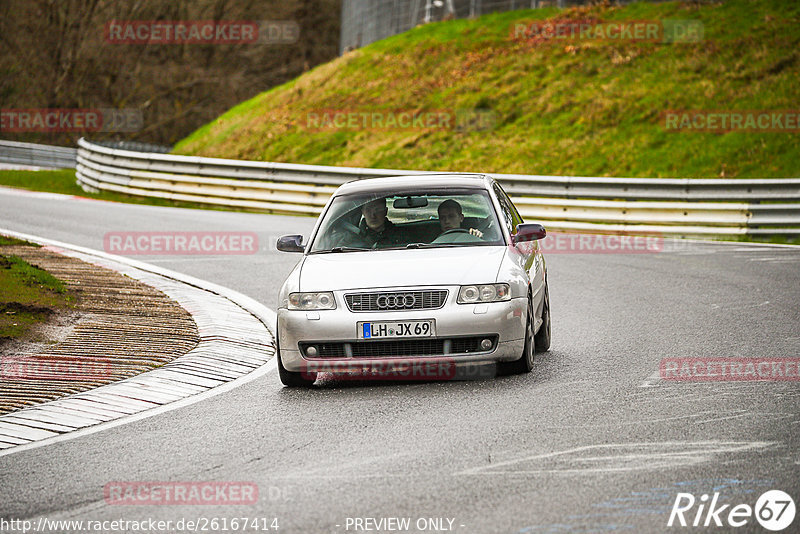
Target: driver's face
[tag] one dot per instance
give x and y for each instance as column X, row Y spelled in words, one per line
column 375, row 214
column 450, row 219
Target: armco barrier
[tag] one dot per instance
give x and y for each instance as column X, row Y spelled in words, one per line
column 35, row 155
column 689, row 207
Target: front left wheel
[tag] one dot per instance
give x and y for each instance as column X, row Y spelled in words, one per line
column 525, row 362
column 541, row 341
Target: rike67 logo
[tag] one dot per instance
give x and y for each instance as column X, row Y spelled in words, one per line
column 774, row 510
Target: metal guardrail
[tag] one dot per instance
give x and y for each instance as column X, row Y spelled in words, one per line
column 687, row 207
column 35, row 155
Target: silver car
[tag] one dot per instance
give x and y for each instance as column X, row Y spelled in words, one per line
column 414, row 277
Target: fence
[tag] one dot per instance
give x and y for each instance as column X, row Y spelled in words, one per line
column 680, row 207
column 367, row 21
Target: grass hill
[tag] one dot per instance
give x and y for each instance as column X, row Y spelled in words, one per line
column 565, row 106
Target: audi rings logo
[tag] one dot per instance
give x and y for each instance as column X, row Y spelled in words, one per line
column 396, row 301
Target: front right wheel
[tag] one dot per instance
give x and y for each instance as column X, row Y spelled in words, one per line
column 290, row 378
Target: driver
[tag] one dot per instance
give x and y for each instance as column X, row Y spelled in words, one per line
column 451, row 217
column 379, row 231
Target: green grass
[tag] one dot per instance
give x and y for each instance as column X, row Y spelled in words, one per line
column 13, row 241
column 582, row 108
column 28, row 294
column 60, row 181
column 777, row 240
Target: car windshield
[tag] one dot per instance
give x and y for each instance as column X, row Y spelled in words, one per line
column 412, row 219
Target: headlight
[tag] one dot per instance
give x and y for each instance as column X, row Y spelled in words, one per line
column 483, row 293
column 312, row 301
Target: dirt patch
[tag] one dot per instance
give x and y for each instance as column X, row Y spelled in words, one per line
column 58, row 327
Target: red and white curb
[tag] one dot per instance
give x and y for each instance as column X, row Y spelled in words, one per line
column 236, row 346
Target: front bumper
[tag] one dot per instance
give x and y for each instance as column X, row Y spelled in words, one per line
column 501, row 321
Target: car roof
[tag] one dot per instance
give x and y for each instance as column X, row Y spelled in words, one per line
column 391, row 184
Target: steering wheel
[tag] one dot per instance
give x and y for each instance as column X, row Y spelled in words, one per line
column 346, row 234
column 456, row 235
column 485, row 225
column 453, row 231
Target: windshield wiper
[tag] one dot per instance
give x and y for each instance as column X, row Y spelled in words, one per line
column 342, row 249
column 433, row 245
column 403, row 247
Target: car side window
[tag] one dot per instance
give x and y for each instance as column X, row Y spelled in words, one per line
column 511, row 217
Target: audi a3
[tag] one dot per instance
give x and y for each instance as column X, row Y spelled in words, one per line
column 400, row 271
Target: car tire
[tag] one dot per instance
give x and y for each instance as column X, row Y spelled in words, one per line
column 292, row 379
column 525, row 362
column 541, row 341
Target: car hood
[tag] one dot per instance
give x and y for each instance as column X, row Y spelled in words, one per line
column 394, row 268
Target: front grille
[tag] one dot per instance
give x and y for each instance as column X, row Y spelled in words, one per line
column 396, row 300
column 410, row 347
column 400, row 347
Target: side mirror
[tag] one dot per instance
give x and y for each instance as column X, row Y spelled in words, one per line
column 528, row 232
column 291, row 243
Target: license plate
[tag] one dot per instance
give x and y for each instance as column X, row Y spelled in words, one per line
column 395, row 329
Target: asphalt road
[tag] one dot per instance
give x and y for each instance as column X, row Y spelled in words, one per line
column 590, row 441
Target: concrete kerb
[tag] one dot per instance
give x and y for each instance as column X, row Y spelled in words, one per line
column 212, row 306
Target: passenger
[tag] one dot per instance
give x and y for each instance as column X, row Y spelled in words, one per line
column 451, row 217
column 376, row 229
